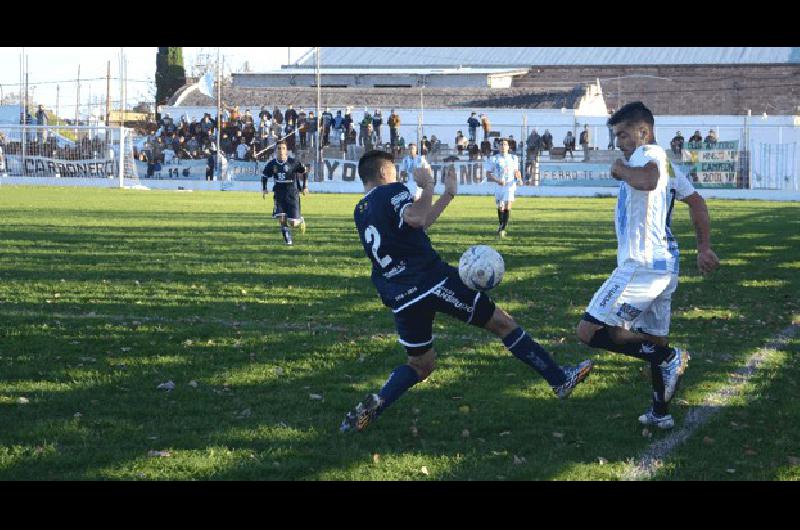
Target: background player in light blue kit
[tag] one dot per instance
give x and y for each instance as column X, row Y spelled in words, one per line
column 503, row 168
column 414, row 282
column 411, row 162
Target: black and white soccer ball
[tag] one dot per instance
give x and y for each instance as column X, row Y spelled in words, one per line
column 481, row 268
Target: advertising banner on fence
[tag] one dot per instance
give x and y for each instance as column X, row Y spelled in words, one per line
column 41, row 166
column 333, row 170
column 576, row 174
column 713, row 166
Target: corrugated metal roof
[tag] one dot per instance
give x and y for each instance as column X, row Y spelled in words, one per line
column 539, row 56
column 385, row 70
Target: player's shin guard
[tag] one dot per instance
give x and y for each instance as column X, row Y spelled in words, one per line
column 644, row 350
column 531, row 353
column 402, row 378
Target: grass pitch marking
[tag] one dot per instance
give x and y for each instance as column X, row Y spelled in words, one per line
column 653, row 457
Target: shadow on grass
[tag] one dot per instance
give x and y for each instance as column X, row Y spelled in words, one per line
column 292, row 436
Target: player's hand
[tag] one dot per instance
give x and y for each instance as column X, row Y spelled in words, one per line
column 263, row 194
column 617, row 169
column 423, row 176
column 305, row 190
column 518, row 175
column 707, row 261
column 451, row 181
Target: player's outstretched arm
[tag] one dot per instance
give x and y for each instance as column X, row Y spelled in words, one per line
column 707, row 260
column 416, row 215
column 639, row 178
column 450, row 189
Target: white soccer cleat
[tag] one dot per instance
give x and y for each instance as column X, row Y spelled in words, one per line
column 662, row 422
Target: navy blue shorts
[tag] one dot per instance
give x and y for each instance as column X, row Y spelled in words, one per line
column 287, row 204
column 414, row 323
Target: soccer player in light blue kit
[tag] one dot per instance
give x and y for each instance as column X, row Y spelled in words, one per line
column 411, row 162
column 503, row 168
column 630, row 313
column 414, row 282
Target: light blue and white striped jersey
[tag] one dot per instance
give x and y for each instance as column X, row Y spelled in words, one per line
column 641, row 219
column 409, row 164
column 503, row 168
column 679, row 188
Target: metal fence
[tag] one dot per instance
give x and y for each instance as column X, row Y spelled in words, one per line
column 66, row 151
column 764, row 156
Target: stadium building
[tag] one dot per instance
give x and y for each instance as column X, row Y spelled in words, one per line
column 676, row 80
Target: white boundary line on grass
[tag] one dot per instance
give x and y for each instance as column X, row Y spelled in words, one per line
column 653, row 457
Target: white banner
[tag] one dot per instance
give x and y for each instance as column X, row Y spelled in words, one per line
column 42, row 166
column 333, row 170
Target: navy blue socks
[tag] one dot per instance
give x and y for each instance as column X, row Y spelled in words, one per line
column 531, row 353
column 402, row 378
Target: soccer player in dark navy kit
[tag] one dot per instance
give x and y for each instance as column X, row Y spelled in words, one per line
column 287, row 173
column 414, row 282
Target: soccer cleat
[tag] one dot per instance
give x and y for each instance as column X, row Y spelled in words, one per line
column 671, row 372
column 303, row 226
column 287, row 237
column 575, row 375
column 662, row 422
column 361, row 416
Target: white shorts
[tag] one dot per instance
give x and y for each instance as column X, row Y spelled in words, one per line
column 415, row 190
column 636, row 298
column 504, row 195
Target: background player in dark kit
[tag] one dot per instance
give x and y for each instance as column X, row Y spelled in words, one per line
column 287, row 173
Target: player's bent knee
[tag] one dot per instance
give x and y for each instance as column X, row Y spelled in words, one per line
column 501, row 323
column 423, row 364
column 586, row 331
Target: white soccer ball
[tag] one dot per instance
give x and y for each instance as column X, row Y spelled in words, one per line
column 481, row 267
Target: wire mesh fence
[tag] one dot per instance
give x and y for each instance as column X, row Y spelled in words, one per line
column 66, row 152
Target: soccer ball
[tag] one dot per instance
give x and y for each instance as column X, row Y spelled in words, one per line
column 481, row 268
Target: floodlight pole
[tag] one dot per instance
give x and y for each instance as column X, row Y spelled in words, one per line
column 121, row 160
column 318, row 121
column 217, row 165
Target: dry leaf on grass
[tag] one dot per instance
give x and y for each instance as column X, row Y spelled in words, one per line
column 424, row 470
column 376, row 458
column 465, row 433
column 158, row 453
column 317, row 397
column 708, row 440
column 558, row 435
column 519, row 460
column 602, row 460
column 23, row 399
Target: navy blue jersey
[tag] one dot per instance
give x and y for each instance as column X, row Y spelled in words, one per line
column 404, row 264
column 287, row 175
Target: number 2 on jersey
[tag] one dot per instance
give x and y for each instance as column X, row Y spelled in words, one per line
column 373, row 237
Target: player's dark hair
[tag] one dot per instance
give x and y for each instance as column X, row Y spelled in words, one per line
column 280, row 142
column 369, row 166
column 634, row 112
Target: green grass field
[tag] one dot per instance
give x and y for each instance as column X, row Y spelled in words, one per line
column 105, row 294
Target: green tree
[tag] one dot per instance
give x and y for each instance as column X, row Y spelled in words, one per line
column 170, row 74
